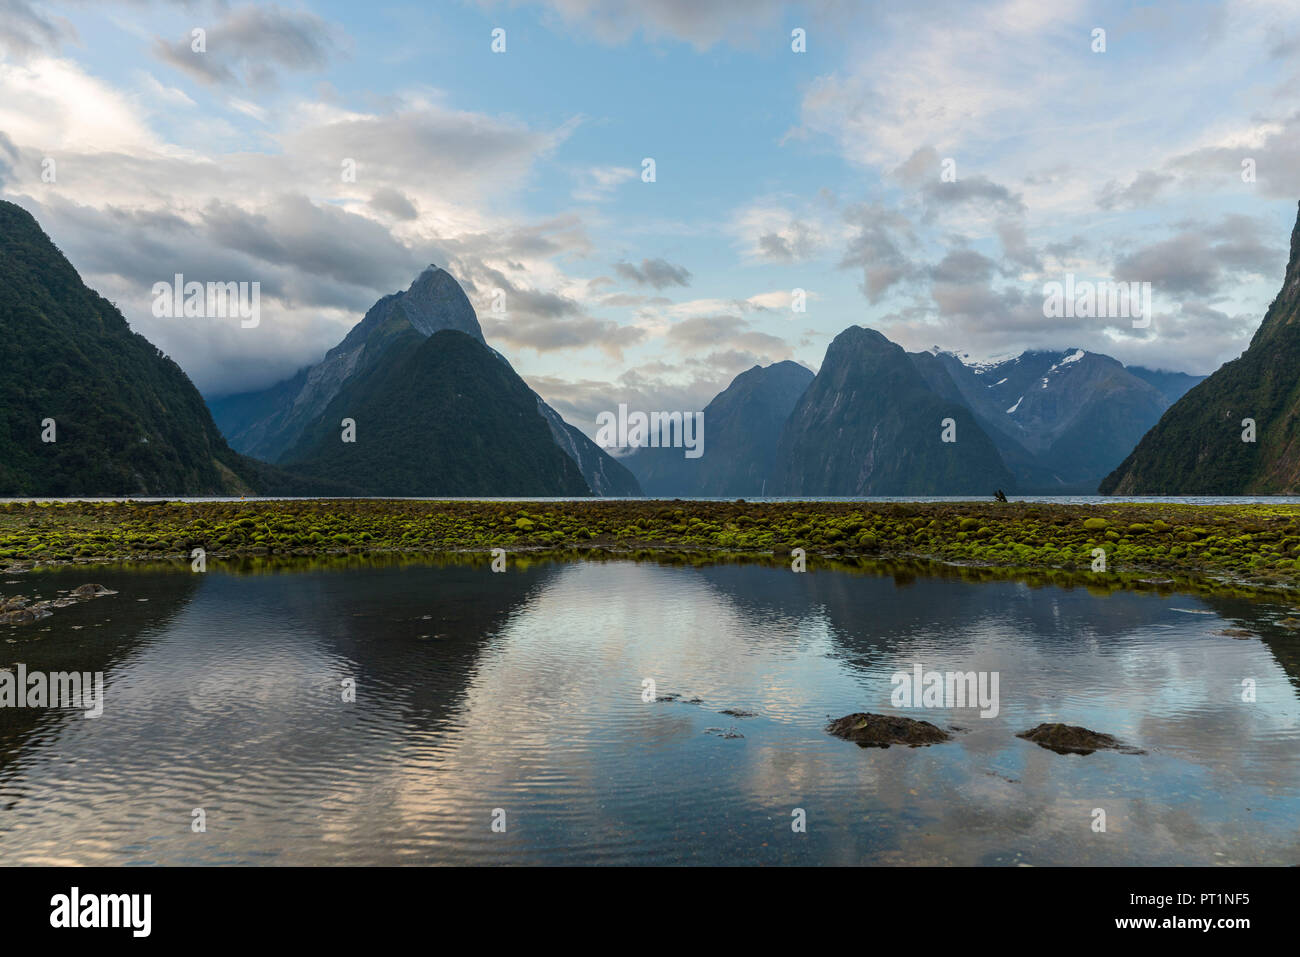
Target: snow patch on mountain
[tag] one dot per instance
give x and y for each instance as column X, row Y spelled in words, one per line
column 1075, row 356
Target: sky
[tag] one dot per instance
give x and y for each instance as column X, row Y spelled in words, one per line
column 522, row 172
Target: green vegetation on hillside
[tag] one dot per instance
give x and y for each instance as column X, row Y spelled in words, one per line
column 127, row 420
column 1197, row 447
column 435, row 416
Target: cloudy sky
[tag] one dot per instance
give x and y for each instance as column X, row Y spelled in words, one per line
column 775, row 170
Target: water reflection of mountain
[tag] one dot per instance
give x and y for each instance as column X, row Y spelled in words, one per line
column 523, row 690
column 868, row 614
column 1264, row 620
column 1158, row 662
column 101, row 634
column 411, row 634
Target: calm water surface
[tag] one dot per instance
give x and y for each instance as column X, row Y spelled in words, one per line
column 522, row 692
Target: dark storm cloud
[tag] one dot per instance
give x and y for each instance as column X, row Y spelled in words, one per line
column 301, row 255
column 1202, row 259
column 1274, row 161
column 250, row 44
column 530, row 331
column 923, row 171
column 726, row 333
column 774, row 246
column 540, row 320
column 796, row 242
column 1144, row 188
column 658, row 273
column 394, row 203
column 968, row 190
column 1015, row 245
column 963, row 266
column 320, row 240
column 523, row 300
column 24, row 30
column 878, row 248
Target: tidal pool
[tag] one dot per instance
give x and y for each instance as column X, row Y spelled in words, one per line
column 517, row 699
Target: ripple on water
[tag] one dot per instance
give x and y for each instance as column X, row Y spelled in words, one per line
column 522, row 693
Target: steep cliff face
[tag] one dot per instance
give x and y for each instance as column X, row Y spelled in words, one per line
column 1062, row 420
column 742, row 426
column 869, row 424
column 603, row 473
column 265, row 424
column 270, row 423
column 124, row 418
column 1198, row 446
column 434, row 415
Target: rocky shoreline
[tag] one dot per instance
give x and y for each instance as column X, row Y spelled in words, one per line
column 21, row 610
column 1248, row 548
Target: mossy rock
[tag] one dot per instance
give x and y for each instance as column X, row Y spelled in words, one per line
column 1073, row 739
column 868, row 730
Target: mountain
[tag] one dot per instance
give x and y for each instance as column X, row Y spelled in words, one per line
column 870, row 424
column 741, row 427
column 127, row 420
column 271, row 422
column 1197, row 447
column 435, row 415
column 1061, row 420
column 1172, row 385
column 265, row 423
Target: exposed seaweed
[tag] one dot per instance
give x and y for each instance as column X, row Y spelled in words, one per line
column 1163, row 545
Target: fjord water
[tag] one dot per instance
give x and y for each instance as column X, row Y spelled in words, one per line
column 522, row 691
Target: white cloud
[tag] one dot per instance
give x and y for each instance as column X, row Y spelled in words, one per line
column 131, row 207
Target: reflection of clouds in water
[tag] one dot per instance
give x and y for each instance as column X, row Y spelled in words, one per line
column 523, row 691
column 1057, row 663
column 558, row 684
column 638, row 621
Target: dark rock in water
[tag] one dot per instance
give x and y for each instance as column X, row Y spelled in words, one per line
column 1072, row 739
column 92, row 591
column 739, row 713
column 881, row 730
column 1240, row 633
column 18, row 610
column 728, row 734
